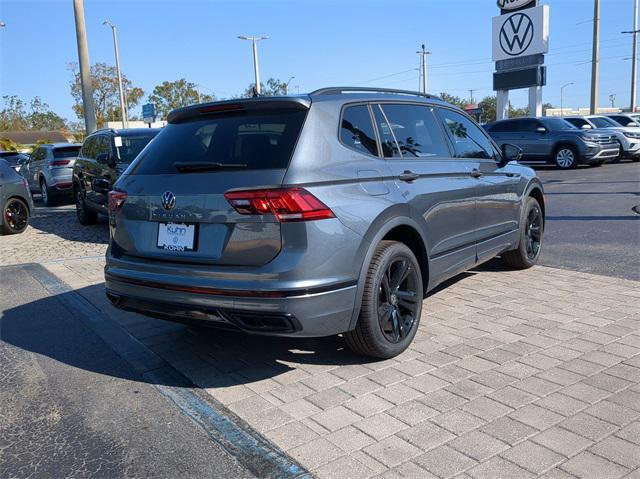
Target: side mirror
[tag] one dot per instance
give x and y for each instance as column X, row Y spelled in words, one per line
column 541, row 129
column 510, row 153
column 106, row 159
column 23, row 161
column 586, row 127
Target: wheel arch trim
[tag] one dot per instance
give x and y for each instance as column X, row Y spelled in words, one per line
column 378, row 230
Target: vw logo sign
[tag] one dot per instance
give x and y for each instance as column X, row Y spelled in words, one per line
column 168, row 200
column 512, row 4
column 516, row 34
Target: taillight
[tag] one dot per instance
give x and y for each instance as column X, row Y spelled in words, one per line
column 59, row 162
column 286, row 204
column 116, row 200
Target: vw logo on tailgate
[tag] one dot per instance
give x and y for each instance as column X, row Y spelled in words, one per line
column 516, row 34
column 168, row 200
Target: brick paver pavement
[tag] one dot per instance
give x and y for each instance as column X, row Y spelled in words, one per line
column 512, row 374
column 54, row 233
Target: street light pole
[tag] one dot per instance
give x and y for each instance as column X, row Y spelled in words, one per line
column 286, row 86
column 256, row 68
column 634, row 57
column 85, row 68
column 561, row 97
column 123, row 107
column 595, row 59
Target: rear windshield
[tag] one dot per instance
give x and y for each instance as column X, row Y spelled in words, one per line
column 66, row 152
column 128, row 147
column 258, row 139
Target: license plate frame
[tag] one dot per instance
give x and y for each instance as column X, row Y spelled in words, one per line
column 177, row 237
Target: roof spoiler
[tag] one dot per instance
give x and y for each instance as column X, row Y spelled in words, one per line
column 240, row 104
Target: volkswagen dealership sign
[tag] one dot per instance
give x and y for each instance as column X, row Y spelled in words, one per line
column 513, row 4
column 524, row 32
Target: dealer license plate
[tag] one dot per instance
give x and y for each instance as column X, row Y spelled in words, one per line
column 176, row 236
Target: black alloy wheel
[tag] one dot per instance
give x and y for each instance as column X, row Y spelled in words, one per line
column 16, row 216
column 533, row 232
column 398, row 299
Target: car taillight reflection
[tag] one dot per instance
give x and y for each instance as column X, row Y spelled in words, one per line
column 116, row 200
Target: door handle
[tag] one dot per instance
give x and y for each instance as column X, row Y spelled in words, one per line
column 408, row 176
column 475, row 173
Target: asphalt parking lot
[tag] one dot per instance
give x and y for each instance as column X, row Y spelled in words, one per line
column 512, row 374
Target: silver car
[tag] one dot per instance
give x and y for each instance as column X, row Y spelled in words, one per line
column 629, row 138
column 15, row 200
column 327, row 213
column 49, row 171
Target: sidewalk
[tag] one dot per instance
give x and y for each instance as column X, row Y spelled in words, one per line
column 511, row 374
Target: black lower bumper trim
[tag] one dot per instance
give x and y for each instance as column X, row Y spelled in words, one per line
column 250, row 321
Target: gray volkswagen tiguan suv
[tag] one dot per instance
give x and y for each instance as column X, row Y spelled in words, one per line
column 333, row 212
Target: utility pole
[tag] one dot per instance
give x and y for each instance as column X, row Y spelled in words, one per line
column 256, row 68
column 612, row 99
column 595, row 57
column 471, row 96
column 423, row 63
column 85, row 68
column 123, row 107
column 634, row 57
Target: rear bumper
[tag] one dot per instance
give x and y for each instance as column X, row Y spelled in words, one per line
column 310, row 312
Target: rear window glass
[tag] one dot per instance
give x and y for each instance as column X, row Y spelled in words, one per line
column 131, row 146
column 356, row 130
column 66, row 152
column 260, row 140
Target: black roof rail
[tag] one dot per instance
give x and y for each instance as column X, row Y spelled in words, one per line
column 352, row 89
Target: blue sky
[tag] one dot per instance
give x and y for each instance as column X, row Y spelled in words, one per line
column 321, row 43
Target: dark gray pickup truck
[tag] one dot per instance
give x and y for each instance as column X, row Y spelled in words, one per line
column 556, row 141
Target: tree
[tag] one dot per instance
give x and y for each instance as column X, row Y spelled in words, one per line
column 454, row 100
column 171, row 95
column 488, row 105
column 106, row 96
column 39, row 116
column 274, row 87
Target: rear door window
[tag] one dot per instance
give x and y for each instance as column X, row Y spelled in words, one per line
column 256, row 139
column 468, row 139
column 356, row 130
column 88, row 149
column 416, row 131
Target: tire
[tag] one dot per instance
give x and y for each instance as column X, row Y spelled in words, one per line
column 388, row 321
column 85, row 216
column 526, row 254
column 45, row 193
column 565, row 157
column 15, row 215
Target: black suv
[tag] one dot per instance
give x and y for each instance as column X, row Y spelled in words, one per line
column 105, row 154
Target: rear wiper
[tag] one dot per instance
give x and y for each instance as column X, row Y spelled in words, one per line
column 187, row 166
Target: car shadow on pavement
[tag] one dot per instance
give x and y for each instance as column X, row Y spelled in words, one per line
column 62, row 222
column 209, row 358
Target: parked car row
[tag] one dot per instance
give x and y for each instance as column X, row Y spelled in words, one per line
column 568, row 142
